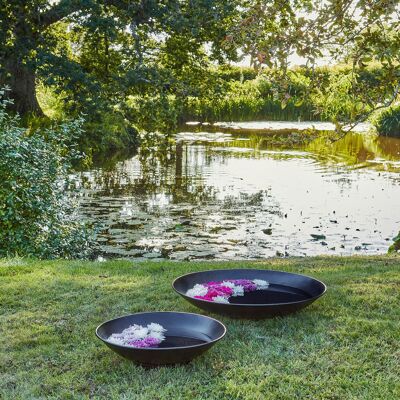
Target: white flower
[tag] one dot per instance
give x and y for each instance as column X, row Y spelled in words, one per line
column 131, row 329
column 155, row 327
column 197, row 290
column 137, row 333
column 238, row 291
column 261, row 284
column 157, row 335
column 220, row 299
column 116, row 338
column 228, row 284
column 141, row 333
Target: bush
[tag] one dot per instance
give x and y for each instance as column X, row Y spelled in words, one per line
column 154, row 113
column 107, row 132
column 387, row 122
column 395, row 247
column 37, row 217
column 246, row 101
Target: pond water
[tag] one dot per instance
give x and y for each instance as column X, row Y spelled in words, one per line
column 245, row 192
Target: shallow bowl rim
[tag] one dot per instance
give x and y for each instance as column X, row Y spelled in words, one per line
column 250, row 304
column 163, row 348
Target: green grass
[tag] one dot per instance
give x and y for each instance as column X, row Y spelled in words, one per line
column 344, row 346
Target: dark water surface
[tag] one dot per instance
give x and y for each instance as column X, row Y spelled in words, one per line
column 273, row 295
column 229, row 192
column 181, row 341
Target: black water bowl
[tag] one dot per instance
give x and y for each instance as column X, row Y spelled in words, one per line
column 287, row 293
column 187, row 336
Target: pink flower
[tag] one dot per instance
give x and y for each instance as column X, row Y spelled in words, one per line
column 212, row 283
column 207, row 297
column 216, row 290
column 222, row 290
column 146, row 342
column 152, row 342
column 138, row 343
column 225, row 289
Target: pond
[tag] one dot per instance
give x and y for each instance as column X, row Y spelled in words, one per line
column 248, row 191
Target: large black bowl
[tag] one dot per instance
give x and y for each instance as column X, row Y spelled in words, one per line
column 286, row 294
column 188, row 335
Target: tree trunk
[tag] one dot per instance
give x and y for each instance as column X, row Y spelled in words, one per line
column 22, row 81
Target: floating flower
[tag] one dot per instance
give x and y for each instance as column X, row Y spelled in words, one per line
column 261, row 284
column 140, row 336
column 197, row 290
column 220, row 291
column 155, row 327
column 220, row 299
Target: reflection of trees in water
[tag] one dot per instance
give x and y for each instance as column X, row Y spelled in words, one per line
column 357, row 148
column 386, row 147
column 245, row 199
column 179, row 178
column 353, row 149
column 179, row 173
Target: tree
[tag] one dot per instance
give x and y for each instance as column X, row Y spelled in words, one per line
column 105, row 32
column 362, row 34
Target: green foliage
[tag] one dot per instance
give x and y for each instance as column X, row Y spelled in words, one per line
column 250, row 100
column 234, row 73
column 94, row 55
column 37, row 218
column 387, row 122
column 52, row 104
column 109, row 132
column 334, row 100
column 327, row 94
column 395, row 247
column 154, row 113
column 104, row 129
column 360, row 35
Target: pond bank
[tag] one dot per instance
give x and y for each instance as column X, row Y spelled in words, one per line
column 343, row 346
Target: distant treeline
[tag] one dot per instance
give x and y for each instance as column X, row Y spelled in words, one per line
column 232, row 93
column 252, row 95
column 243, row 94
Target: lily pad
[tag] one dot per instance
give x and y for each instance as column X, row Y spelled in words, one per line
column 317, row 236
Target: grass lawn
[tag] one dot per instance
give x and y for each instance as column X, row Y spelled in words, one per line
column 344, row 346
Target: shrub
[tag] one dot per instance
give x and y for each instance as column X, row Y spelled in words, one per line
column 107, row 132
column 387, row 123
column 38, row 217
column 154, row 113
column 395, row 247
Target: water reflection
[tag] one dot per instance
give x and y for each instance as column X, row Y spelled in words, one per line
column 238, row 196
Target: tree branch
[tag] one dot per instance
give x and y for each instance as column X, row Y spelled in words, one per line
column 59, row 11
column 363, row 118
column 65, row 8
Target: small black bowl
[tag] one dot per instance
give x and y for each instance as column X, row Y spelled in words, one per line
column 187, row 336
column 287, row 293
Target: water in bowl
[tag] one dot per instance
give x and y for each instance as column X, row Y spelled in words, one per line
column 273, row 295
column 181, row 341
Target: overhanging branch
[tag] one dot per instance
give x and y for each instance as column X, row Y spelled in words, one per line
column 65, row 8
